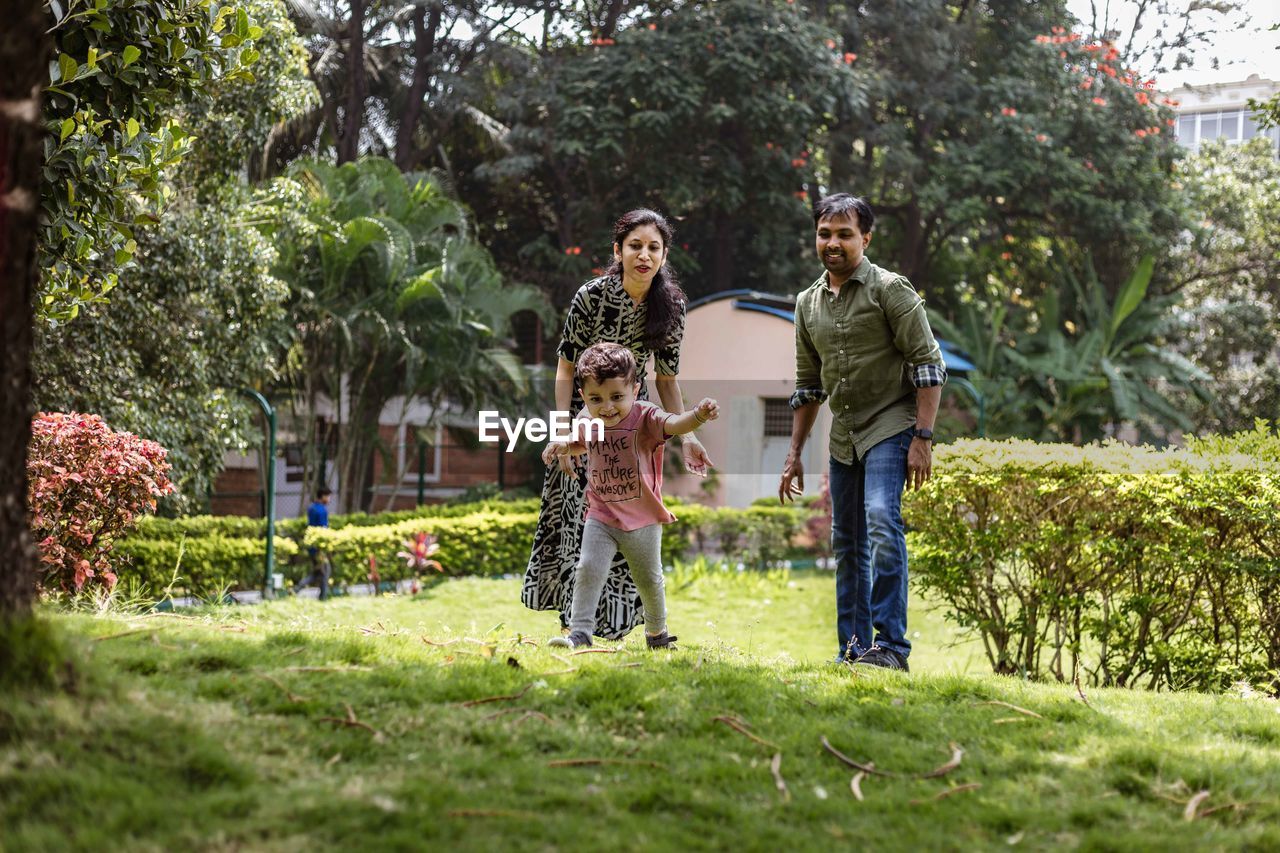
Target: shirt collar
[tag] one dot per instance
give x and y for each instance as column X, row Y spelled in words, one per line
column 860, row 274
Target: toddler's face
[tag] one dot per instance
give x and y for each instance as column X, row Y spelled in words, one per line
column 610, row 400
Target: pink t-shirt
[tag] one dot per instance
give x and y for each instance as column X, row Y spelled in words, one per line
column 624, row 471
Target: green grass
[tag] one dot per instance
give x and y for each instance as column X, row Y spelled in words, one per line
column 205, row 732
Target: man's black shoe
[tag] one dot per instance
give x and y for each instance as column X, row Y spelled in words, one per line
column 884, row 658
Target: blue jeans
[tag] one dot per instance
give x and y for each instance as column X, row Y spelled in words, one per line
column 870, row 547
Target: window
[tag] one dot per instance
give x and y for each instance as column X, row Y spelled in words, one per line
column 777, row 417
column 1229, row 126
column 1187, row 130
column 1251, row 127
column 1208, row 127
column 421, row 447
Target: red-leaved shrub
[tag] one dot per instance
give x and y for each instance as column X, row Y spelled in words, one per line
column 87, row 484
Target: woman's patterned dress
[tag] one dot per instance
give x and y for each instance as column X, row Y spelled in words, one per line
column 601, row 312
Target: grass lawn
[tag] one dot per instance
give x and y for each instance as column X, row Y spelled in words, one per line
column 355, row 724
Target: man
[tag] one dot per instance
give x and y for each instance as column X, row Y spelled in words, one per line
column 321, row 568
column 863, row 342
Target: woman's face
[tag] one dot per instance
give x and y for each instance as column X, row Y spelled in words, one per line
column 641, row 253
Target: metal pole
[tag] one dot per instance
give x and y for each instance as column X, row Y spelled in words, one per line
column 422, row 472
column 270, row 561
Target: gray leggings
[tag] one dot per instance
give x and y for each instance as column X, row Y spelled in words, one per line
column 643, row 550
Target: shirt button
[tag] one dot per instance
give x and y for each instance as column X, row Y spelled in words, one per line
column 842, row 352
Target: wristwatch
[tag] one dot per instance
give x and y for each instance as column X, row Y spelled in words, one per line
column 926, row 434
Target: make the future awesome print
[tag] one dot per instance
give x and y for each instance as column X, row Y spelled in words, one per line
column 624, row 471
column 614, row 472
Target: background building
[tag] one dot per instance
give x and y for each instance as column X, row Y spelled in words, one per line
column 1220, row 111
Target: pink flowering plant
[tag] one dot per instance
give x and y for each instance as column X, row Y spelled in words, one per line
column 419, row 552
column 87, row 485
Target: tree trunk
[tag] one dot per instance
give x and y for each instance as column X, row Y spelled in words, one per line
column 424, row 48
column 349, row 141
column 24, row 52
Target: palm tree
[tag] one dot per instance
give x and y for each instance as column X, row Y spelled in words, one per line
column 392, row 297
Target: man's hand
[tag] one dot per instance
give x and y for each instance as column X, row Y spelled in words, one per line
column 792, row 484
column 919, row 463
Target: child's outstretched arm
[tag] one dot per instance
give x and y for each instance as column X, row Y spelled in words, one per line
column 706, row 410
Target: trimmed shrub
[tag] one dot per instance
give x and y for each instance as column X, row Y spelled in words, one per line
column 1124, row 565
column 86, row 486
column 203, row 564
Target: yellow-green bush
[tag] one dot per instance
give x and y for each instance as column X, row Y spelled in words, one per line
column 203, row 564
column 483, row 543
column 1125, row 565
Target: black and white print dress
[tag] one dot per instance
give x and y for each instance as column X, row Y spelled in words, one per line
column 601, row 312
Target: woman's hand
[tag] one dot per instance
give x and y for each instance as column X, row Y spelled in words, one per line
column 695, row 456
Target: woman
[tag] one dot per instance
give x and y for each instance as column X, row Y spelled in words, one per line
column 638, row 304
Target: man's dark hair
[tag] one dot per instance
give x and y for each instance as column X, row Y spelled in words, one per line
column 606, row 361
column 843, row 204
column 323, row 492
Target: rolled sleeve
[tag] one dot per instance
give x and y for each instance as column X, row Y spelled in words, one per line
column 804, row 396
column 928, row 375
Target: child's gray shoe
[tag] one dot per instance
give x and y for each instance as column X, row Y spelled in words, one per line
column 575, row 640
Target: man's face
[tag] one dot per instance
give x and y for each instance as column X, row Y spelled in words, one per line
column 610, row 400
column 840, row 244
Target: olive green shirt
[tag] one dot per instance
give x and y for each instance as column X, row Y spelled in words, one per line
column 866, row 350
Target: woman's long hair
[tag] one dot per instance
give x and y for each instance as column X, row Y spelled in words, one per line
column 666, row 298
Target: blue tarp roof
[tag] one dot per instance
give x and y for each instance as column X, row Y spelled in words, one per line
column 771, row 303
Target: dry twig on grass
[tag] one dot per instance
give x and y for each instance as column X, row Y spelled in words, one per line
column 326, row 669
column 350, row 721
column 434, row 643
column 1236, row 807
column 121, row 634
column 869, row 768
column 1080, row 691
column 564, row 660
column 533, row 715
column 855, row 784
column 489, row 699
column 942, row 795
column 1004, row 720
column 595, row 762
column 293, row 697
column 775, row 767
column 1011, row 707
column 1189, row 813
column 490, row 813
column 943, row 769
column 595, row 652
column 742, row 727
column 626, row 665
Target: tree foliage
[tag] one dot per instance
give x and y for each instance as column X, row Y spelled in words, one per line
column 122, row 66
column 391, row 297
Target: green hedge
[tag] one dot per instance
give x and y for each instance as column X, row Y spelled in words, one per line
column 1123, row 565
column 204, row 564
column 486, row 538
